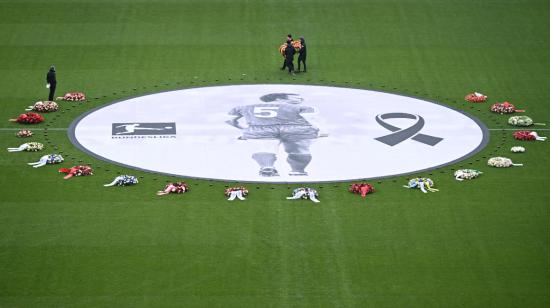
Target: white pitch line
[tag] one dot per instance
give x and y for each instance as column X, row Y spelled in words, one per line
column 29, row 128
column 63, row 128
column 519, row 128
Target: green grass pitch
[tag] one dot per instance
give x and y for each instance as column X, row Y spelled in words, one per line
column 480, row 243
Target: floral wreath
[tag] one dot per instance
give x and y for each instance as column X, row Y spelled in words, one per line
column 475, row 97
column 228, row 191
column 466, row 174
column 73, row 96
column 361, row 188
column 174, row 188
column 123, row 180
column 501, row 162
column 505, row 107
column 46, row 106
column 304, row 193
column 24, row 133
column 81, row 170
column 517, row 149
column 526, row 135
column 522, row 121
column 236, row 192
column 296, row 44
column 29, row 147
column 424, row 184
column 305, row 189
column 28, row 118
column 49, row 159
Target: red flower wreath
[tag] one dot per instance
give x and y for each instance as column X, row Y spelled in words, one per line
column 475, row 98
column 76, row 171
column 29, row 118
column 505, row 107
column 361, row 188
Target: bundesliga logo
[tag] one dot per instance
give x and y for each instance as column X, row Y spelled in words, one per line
column 133, row 128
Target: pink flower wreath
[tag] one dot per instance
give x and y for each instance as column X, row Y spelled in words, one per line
column 24, row 133
column 505, row 107
column 526, row 135
column 73, row 96
column 174, row 188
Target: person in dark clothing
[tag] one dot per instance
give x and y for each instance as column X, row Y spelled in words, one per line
column 289, row 57
column 302, row 54
column 288, row 39
column 51, row 82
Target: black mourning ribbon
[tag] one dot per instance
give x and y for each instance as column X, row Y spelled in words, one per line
column 399, row 135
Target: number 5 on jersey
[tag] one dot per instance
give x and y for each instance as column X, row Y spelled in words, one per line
column 265, row 112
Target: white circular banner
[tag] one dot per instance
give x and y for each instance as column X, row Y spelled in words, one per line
column 278, row 133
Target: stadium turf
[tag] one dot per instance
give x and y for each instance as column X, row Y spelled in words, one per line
column 480, row 243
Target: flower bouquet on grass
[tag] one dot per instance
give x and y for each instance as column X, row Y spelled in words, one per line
column 475, row 97
column 24, row 133
column 47, row 106
column 466, row 174
column 49, row 159
column 526, row 135
column 174, row 188
column 29, row 118
column 517, row 149
column 505, row 107
column 123, row 180
column 296, row 44
column 29, row 147
column 361, row 188
column 501, row 162
column 522, row 121
column 73, row 97
column 424, row 184
column 304, row 193
column 76, row 171
column 236, row 192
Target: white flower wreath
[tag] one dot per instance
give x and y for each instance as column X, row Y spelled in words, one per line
column 123, row 180
column 304, row 193
column 517, row 149
column 47, row 159
column 29, row 147
column 501, row 162
column 522, row 121
column 466, row 174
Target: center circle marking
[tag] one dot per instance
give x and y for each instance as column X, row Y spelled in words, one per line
column 278, row 133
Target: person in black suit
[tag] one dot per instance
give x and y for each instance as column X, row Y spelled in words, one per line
column 289, row 57
column 302, row 54
column 288, row 39
column 51, row 82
